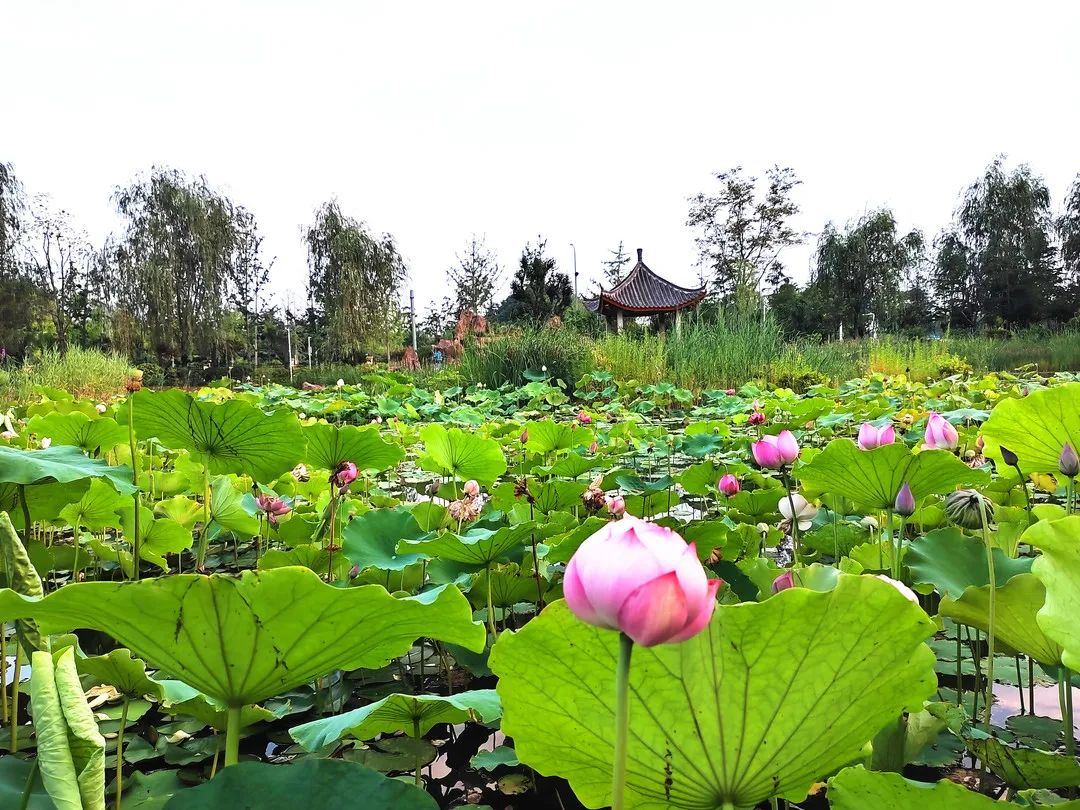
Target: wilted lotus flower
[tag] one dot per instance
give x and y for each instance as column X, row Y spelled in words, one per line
column 729, row 485
column 756, row 418
column 101, row 407
column 804, row 510
column 584, row 418
column 464, row 509
column 783, row 582
column 940, row 434
column 344, row 475
column 273, row 507
column 900, row 586
column 46, row 443
column 1068, row 461
column 593, row 497
column 641, row 579
column 871, row 437
column 300, row 472
column 905, row 501
column 8, row 434
column 962, row 508
column 471, row 488
column 616, row 505
column 774, row 452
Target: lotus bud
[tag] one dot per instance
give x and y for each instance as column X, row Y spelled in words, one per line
column 729, row 485
column 871, row 437
column 729, row 392
column 756, row 418
column 1068, row 461
column 907, row 419
column 641, row 579
column 905, row 501
column 774, row 452
column 783, row 582
column 47, row 442
column 344, row 475
column 593, row 447
column 584, row 418
column 940, row 434
column 8, row 434
column 301, row 416
column 340, row 383
column 962, row 508
column 980, row 443
column 1008, row 456
column 300, row 472
column 524, row 437
column 471, row 488
column 616, row 505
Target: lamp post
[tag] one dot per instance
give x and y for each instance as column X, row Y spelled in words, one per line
column 575, row 267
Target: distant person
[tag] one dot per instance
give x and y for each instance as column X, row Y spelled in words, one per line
column 438, row 358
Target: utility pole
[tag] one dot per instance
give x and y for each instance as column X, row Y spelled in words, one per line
column 575, row 267
column 288, row 341
column 412, row 317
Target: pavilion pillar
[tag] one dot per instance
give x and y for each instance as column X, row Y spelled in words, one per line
column 678, row 323
column 618, row 321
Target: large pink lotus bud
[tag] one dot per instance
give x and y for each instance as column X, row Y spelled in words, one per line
column 524, row 437
column 940, row 435
column 471, row 488
column 642, row 579
column 345, row 474
column 905, row 501
column 616, row 505
column 729, row 485
column 871, row 437
column 783, row 582
column 774, row 452
column 1068, row 461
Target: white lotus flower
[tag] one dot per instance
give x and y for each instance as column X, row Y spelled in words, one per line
column 101, row 407
column 46, row 443
column 805, row 510
column 340, row 383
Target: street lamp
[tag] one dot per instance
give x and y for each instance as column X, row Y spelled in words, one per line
column 575, row 267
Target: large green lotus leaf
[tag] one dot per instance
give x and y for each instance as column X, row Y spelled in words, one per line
column 228, row 510
column 93, row 436
column 314, row 556
column 183, row 509
column 96, row 509
column 1059, row 570
column 1017, row 604
column 14, row 774
column 62, row 464
column 413, row 714
column 553, row 496
column 231, row 437
column 872, row 478
column 573, row 465
column 329, row 445
column 461, row 455
column 1035, row 427
column 508, row 588
column 243, row 640
column 549, row 436
column 952, row 561
column 308, row 784
column 477, row 546
column 370, row 541
column 1026, row 767
column 120, row 669
column 770, row 698
column 860, row 789
column 160, row 536
column 45, row 500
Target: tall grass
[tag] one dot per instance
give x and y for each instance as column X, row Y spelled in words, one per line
column 505, row 358
column 84, row 373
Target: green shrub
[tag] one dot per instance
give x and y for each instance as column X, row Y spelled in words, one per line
column 505, row 358
column 84, row 373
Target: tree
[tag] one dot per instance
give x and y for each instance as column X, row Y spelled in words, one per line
column 741, row 232
column 1005, row 222
column 613, row 267
column 12, row 206
column 171, row 268
column 538, row 290
column 860, row 272
column 475, row 278
column 248, row 278
column 19, row 298
column 438, row 321
column 354, row 284
column 1068, row 227
column 954, row 281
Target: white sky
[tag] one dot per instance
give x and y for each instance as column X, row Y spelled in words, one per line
column 586, row 122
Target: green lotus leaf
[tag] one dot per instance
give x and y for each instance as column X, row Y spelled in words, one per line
column 461, row 455
column 15, row 775
column 160, row 536
column 229, row 437
column 1035, row 427
column 309, row 784
column 44, row 500
column 62, row 464
column 183, row 509
column 370, row 541
column 92, row 436
column 490, row 760
column 1059, row 570
column 554, row 496
column 1017, row 604
column 313, row 556
column 96, row 509
column 872, row 478
column 549, row 437
column 477, row 546
column 394, row 754
column 71, row 750
column 22, row 578
column 241, row 641
column 574, row 465
column 772, row 697
column 120, row 669
column 860, row 789
column 1026, row 767
column 329, row 445
column 229, row 510
column 508, row 588
column 412, row 714
column 952, row 561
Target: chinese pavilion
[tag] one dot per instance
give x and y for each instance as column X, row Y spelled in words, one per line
column 643, row 292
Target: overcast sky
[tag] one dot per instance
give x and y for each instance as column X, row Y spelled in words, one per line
column 585, row 122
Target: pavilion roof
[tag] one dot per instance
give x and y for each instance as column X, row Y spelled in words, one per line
column 643, row 292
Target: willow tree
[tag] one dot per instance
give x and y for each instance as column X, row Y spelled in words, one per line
column 18, row 295
column 175, row 259
column 354, row 285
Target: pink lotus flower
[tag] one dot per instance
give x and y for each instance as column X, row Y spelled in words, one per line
column 756, row 418
column 940, row 435
column 1068, row 461
column 273, row 507
column 345, row 474
column 584, row 418
column 871, row 437
column 729, row 485
column 729, row 391
column 642, row 579
column 471, row 488
column 616, row 505
column 774, row 452
column 905, row 501
column 593, row 447
column 784, row 581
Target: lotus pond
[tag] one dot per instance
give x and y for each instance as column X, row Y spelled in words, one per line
column 389, row 597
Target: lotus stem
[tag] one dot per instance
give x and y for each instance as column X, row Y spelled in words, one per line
column 24, row 803
column 232, row 736
column 416, row 736
column 136, row 539
column 15, row 698
column 959, row 670
column 204, row 535
column 120, row 754
column 992, row 605
column 899, row 548
column 490, row 606
column 1065, row 703
column 1020, row 686
column 622, row 721
column 3, row 674
column 794, row 518
column 26, row 514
